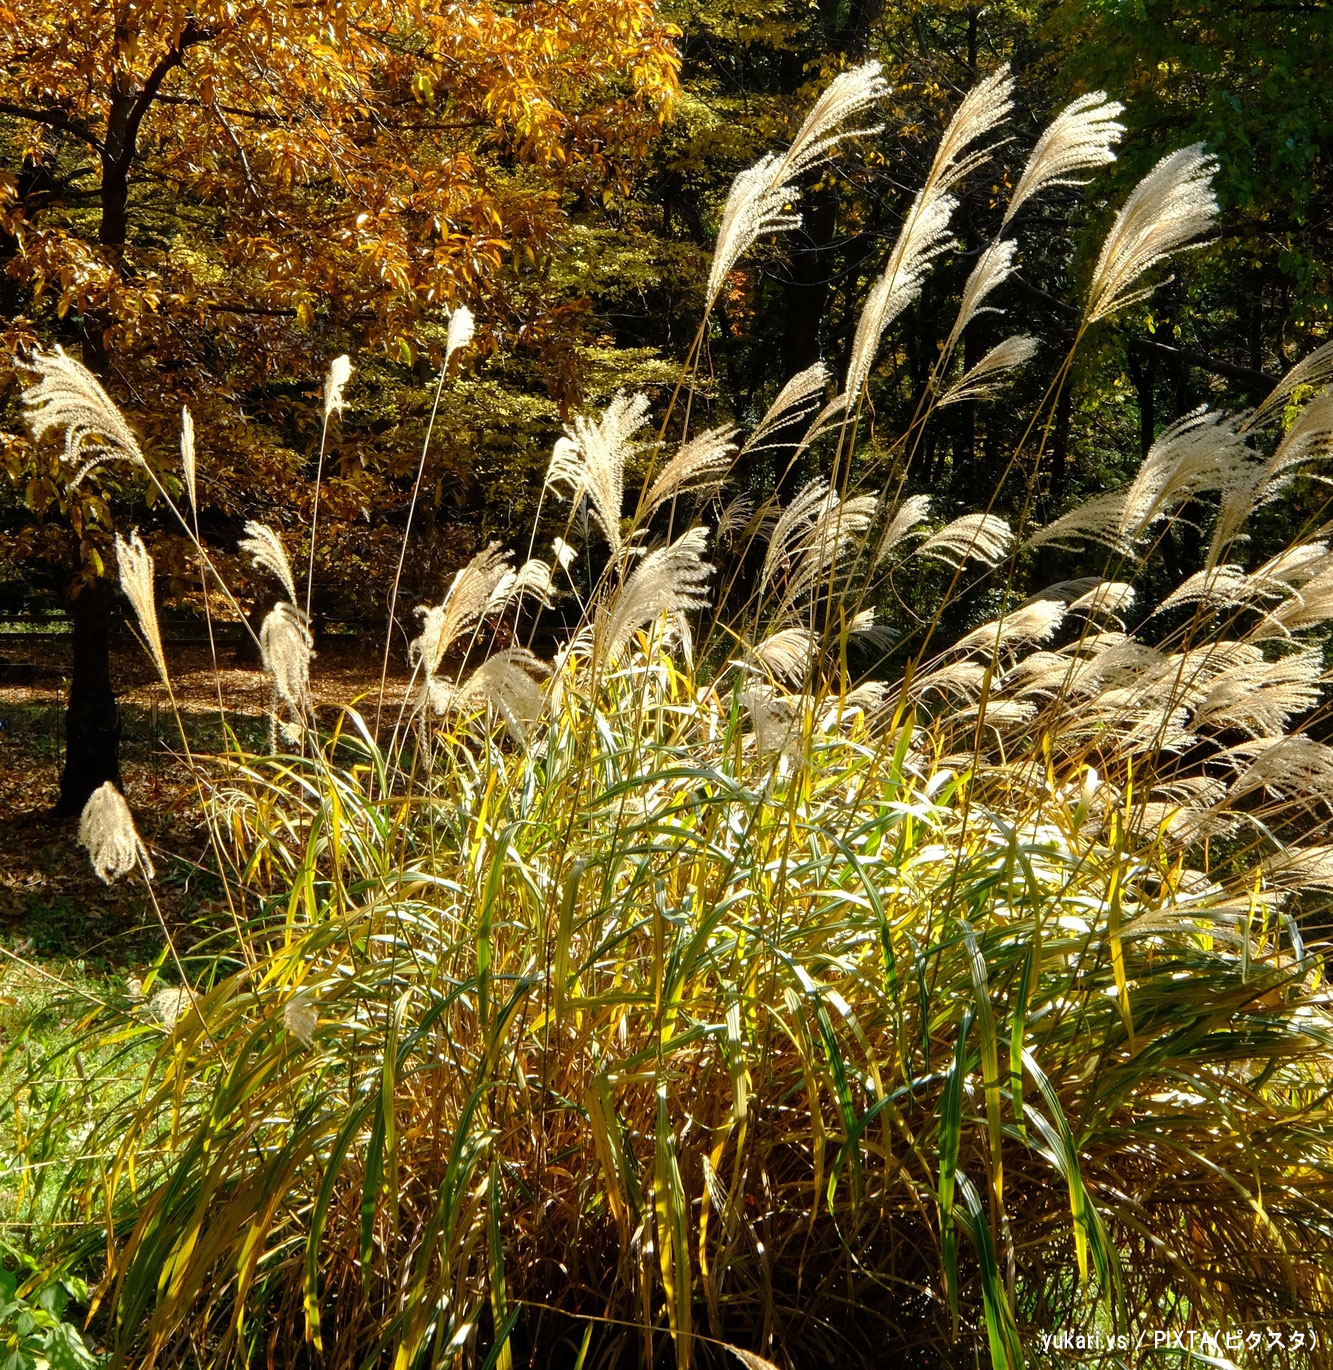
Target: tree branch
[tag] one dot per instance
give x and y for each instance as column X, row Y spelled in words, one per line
column 54, row 118
column 1251, row 379
column 191, row 36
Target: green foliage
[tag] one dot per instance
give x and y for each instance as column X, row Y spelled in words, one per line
column 34, row 1333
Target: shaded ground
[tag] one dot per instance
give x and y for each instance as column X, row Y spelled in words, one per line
column 52, row 907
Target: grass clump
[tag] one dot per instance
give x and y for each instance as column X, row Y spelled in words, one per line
column 694, row 994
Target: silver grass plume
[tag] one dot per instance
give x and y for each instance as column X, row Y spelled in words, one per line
column 532, row 580
column 1173, row 204
column 668, row 580
column 1029, row 623
column 106, row 829
column 1310, row 606
column 962, row 678
column 793, row 523
column 187, row 458
column 925, row 231
column 1309, row 440
column 1078, row 139
column 794, row 402
column 266, row 552
column 67, row 395
column 759, row 199
column 1316, row 369
column 590, row 460
column 300, row 1016
column 286, row 646
column 1261, row 698
column 1109, row 597
column 1220, row 587
column 982, row 110
column 136, row 579
column 924, row 236
column 469, row 597
column 1295, row 768
column 700, row 464
column 735, row 516
column 507, row 682
column 462, row 326
column 991, row 371
column 1301, row 868
column 335, row 381
column 996, row 714
column 775, row 718
column 827, row 540
column 992, row 269
column 787, row 653
column 564, row 554
column 904, row 522
column 1294, row 566
column 1203, row 451
column 984, row 537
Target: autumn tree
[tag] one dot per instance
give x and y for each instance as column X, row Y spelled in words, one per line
column 238, row 191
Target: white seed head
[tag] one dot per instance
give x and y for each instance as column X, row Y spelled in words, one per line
column 67, row 395
column 1078, row 139
column 106, row 829
column 1173, row 204
column 462, row 326
column 300, row 1016
column 990, row 373
column 668, row 580
column 187, row 457
column 762, row 197
column 590, row 460
column 266, row 551
column 340, row 371
column 136, row 579
column 286, row 646
column 984, row 537
column 700, row 464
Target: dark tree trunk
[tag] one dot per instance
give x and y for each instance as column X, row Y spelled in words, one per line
column 92, row 721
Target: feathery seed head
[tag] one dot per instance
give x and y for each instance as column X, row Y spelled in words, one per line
column 106, row 829
column 760, row 197
column 462, row 326
column 300, row 1016
column 266, row 552
column 590, row 460
column 187, row 457
column 982, row 110
column 1173, row 204
column 339, row 372
column 136, row 579
column 67, row 395
column 700, row 464
column 1078, row 139
column 668, row 580
column 794, row 402
column 286, row 646
column 989, row 373
column 993, row 268
column 471, row 595
column 984, row 537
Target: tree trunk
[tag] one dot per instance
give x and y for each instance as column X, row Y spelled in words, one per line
column 92, row 721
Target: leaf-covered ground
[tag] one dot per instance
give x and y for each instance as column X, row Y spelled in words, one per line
column 53, row 909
